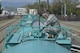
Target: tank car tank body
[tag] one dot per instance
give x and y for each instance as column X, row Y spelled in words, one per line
column 25, row 37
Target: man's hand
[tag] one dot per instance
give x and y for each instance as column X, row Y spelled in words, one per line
column 40, row 14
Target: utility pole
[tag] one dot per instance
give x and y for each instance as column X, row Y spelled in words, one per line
column 39, row 14
column 47, row 4
column 62, row 7
column 39, row 6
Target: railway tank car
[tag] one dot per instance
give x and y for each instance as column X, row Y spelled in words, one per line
column 25, row 37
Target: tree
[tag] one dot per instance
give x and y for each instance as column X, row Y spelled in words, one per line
column 0, row 9
column 43, row 5
column 70, row 5
column 56, row 8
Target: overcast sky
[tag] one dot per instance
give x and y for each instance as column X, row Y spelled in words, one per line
column 23, row 0
column 17, row 0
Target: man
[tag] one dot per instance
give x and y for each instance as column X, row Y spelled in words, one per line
column 51, row 21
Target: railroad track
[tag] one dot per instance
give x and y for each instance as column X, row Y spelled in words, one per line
column 4, row 27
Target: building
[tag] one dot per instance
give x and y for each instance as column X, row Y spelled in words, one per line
column 33, row 11
column 21, row 11
column 78, row 6
column 4, row 13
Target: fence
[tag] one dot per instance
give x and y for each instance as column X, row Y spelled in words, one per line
column 6, row 17
column 69, row 18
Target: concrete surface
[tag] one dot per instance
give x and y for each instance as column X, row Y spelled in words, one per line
column 74, row 25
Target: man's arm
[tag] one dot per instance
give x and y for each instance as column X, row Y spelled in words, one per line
column 47, row 23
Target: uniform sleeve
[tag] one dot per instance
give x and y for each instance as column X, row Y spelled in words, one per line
column 49, row 20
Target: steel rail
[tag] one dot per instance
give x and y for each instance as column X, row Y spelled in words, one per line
column 75, row 48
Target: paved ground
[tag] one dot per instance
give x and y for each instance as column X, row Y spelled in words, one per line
column 72, row 25
column 1, row 21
